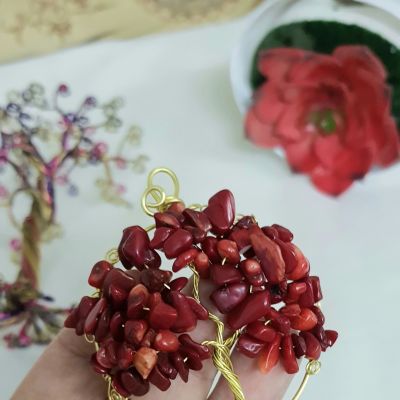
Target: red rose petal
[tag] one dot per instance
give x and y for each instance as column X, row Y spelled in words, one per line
column 261, row 134
column 356, row 57
column 275, row 63
column 315, row 68
column 391, row 150
column 328, row 182
column 268, row 105
column 301, row 156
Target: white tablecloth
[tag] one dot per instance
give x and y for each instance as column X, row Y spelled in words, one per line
column 177, row 89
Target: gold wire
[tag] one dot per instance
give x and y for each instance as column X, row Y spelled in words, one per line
column 222, row 348
column 312, row 368
column 112, row 394
column 112, row 256
column 161, row 199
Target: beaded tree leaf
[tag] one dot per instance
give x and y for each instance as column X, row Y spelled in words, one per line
column 141, row 316
column 42, row 144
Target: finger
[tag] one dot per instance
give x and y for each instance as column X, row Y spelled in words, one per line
column 255, row 385
column 62, row 372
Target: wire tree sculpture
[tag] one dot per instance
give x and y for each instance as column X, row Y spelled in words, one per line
column 42, row 144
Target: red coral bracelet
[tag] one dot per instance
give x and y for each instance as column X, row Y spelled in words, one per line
column 139, row 317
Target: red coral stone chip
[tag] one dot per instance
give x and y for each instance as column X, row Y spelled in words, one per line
column 132, row 248
column 225, row 274
column 163, row 316
column 186, row 320
column 331, row 336
column 303, row 266
column 177, row 243
column 92, row 318
column 270, row 256
column 134, row 331
column 199, row 310
column 99, row 273
column 316, row 286
column 96, row 366
column 118, row 386
column 198, row 219
column 299, row 345
column 160, row 236
column 134, row 383
column 103, row 325
column 284, row 234
column 288, row 355
column 261, row 331
column 103, row 359
column 242, row 239
column 166, row 219
column 305, row 321
column 221, row 211
column 120, row 279
column 72, row 319
column 178, row 362
column 210, row 247
column 166, row 366
column 269, row 356
column 228, row 250
column 228, row 297
column 249, row 346
column 255, row 306
column 313, row 346
column 202, row 264
column 202, row 350
column 178, row 284
column 116, row 326
column 159, row 380
column 144, row 361
column 184, row 259
column 193, row 360
column 166, row 341
column 125, row 356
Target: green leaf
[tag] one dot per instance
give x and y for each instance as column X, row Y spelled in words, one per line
column 324, row 37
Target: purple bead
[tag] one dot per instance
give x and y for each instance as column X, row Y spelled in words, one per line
column 73, row 190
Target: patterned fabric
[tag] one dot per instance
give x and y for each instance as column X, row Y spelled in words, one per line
column 31, row 27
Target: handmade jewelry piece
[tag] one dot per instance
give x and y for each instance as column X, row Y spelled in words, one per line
column 42, row 143
column 140, row 317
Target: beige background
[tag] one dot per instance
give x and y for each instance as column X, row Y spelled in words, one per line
column 31, row 27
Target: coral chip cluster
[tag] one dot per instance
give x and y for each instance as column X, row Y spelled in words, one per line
column 261, row 286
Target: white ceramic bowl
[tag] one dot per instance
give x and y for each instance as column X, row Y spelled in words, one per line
column 380, row 16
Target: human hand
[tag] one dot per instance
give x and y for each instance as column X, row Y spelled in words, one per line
column 63, row 372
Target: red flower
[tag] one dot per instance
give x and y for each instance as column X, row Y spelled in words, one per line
column 330, row 113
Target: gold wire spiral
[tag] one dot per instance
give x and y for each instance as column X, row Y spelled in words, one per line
column 112, row 256
column 160, row 197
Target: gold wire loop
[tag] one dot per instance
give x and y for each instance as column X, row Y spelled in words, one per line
column 90, row 338
column 312, row 368
column 167, row 171
column 112, row 394
column 159, row 197
column 112, row 256
column 158, row 194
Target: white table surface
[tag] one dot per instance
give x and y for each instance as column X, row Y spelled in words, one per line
column 177, row 89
